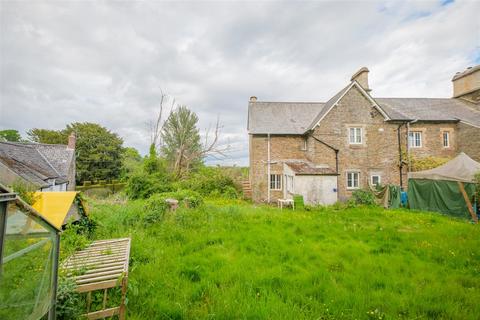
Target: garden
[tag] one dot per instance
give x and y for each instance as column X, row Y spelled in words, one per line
column 217, row 257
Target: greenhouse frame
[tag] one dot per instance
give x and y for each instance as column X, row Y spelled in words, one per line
column 29, row 253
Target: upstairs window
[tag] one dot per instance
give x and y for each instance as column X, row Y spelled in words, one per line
column 355, row 136
column 415, row 139
column 446, row 139
column 275, row 182
column 353, row 178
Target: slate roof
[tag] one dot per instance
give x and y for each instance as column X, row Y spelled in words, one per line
column 430, row 109
column 282, row 117
column 307, row 168
column 37, row 162
column 298, row 117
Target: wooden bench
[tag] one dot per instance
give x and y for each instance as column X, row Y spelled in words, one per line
column 101, row 266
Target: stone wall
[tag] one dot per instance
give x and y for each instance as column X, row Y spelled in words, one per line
column 282, row 147
column 377, row 154
column 469, row 140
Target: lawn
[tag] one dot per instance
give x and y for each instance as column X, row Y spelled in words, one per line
column 231, row 260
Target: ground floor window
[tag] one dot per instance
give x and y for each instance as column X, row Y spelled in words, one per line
column 446, row 139
column 376, row 179
column 275, row 182
column 353, row 178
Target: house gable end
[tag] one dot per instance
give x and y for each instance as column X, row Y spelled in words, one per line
column 341, row 95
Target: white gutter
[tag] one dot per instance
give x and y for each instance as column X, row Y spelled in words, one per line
column 268, row 167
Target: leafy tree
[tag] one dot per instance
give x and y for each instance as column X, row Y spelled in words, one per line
column 10, row 135
column 151, row 163
column 181, row 141
column 48, row 136
column 131, row 162
column 98, row 151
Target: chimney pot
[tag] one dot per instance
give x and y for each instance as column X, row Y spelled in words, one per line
column 253, row 98
column 72, row 141
column 361, row 76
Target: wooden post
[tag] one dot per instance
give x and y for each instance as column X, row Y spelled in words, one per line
column 121, row 315
column 467, row 200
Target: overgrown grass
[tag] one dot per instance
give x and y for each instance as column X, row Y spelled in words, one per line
column 230, row 260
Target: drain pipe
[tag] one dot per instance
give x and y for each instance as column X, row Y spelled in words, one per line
column 268, row 167
column 408, row 144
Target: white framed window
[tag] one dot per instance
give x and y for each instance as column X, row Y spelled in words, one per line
column 353, row 178
column 289, row 183
column 415, row 139
column 446, row 139
column 275, row 182
column 375, row 179
column 355, row 135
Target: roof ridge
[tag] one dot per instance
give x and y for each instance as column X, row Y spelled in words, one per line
column 297, row 102
column 48, row 162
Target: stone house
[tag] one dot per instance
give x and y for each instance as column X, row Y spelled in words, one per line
column 46, row 167
column 326, row 150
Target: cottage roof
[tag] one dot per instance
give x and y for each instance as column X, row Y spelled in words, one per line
column 431, row 109
column 301, row 167
column 282, row 117
column 37, row 163
column 299, row 117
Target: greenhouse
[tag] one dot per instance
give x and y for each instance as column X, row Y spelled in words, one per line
column 29, row 247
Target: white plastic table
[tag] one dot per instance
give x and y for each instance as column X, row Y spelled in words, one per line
column 282, row 202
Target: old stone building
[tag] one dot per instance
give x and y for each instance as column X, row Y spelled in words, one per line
column 46, row 167
column 325, row 151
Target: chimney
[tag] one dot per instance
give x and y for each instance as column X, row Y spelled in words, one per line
column 466, row 84
column 361, row 76
column 253, row 99
column 72, row 140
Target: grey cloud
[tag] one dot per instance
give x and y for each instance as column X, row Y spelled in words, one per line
column 107, row 62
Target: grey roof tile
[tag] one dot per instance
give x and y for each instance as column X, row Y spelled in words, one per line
column 281, row 117
column 37, row 162
column 430, row 109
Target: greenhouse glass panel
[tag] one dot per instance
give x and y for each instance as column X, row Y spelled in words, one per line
column 27, row 266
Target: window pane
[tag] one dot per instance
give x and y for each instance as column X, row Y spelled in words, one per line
column 352, row 135
column 25, row 285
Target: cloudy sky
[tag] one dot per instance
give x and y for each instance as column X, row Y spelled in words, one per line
column 107, row 62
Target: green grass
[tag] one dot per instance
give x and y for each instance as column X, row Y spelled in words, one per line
column 236, row 261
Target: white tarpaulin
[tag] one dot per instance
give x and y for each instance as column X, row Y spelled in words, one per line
column 461, row 168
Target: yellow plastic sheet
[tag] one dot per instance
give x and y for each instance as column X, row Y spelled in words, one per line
column 54, row 206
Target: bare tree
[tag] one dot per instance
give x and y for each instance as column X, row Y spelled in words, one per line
column 156, row 126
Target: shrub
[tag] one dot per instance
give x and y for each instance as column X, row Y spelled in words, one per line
column 230, row 193
column 208, row 180
column 155, row 208
column 363, row 196
column 142, row 186
column 69, row 303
